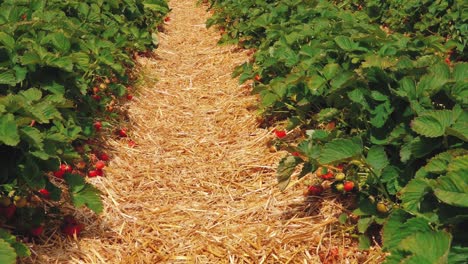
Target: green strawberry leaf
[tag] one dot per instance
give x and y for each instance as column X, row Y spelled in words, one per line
column 8, row 77
column 340, row 149
column 7, row 253
column 453, row 187
column 88, row 196
column 377, row 158
column 427, row 247
column 285, row 169
column 9, row 130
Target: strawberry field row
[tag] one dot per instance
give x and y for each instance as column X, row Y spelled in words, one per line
column 379, row 92
column 64, row 65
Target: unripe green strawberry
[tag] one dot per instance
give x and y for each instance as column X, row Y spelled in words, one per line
column 340, row 176
column 382, row 207
column 5, row 201
column 339, row 187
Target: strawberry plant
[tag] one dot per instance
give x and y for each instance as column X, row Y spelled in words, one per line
column 383, row 98
column 62, row 63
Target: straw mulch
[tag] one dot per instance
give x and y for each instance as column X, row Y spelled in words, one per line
column 199, row 186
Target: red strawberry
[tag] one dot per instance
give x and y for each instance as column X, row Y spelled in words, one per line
column 104, row 157
column 66, row 168
column 447, row 60
column 327, row 176
column 131, row 143
column 340, row 167
column 296, row 154
column 69, row 220
column 8, row 211
column 96, row 97
column 315, row 190
column 45, row 193
column 100, row 172
column 122, row 132
column 24, row 16
column 100, row 165
column 330, row 126
column 97, row 125
column 72, row 229
column 36, row 231
column 258, row 78
column 280, row 133
column 167, row 19
column 59, row 174
column 129, row 97
column 348, row 186
column 92, row 173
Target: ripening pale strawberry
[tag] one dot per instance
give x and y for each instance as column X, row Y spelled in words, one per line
column 97, row 125
column 80, row 165
column 100, row 165
column 348, row 186
column 44, row 193
column 315, row 190
column 36, row 231
column 280, row 133
column 321, row 171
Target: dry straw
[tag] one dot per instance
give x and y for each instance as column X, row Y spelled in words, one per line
column 199, row 187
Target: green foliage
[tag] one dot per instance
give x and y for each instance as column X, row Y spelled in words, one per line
column 10, row 249
column 52, row 56
column 397, row 93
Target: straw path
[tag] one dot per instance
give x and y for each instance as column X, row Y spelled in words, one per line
column 199, row 187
